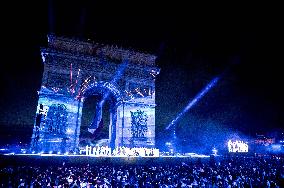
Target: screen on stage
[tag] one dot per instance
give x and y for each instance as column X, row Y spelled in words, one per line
column 237, row 146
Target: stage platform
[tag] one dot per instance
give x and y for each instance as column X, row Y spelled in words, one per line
column 55, row 159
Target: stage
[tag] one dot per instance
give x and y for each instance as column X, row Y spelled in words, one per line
column 55, row 159
column 188, row 155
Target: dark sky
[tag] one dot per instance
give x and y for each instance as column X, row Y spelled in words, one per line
column 193, row 43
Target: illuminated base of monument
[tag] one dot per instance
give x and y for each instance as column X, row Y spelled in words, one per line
column 58, row 121
column 124, row 136
column 57, row 125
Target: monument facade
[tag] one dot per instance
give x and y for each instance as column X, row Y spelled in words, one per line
column 75, row 70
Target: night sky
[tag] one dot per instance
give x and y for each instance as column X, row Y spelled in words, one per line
column 193, row 43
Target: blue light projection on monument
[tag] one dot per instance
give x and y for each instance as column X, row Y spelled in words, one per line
column 210, row 85
column 75, row 70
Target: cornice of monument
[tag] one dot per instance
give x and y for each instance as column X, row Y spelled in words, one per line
column 94, row 59
column 95, row 49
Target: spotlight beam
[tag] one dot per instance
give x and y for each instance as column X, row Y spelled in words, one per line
column 211, row 84
column 117, row 76
column 98, row 117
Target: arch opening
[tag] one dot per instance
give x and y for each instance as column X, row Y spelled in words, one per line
column 88, row 115
column 98, row 119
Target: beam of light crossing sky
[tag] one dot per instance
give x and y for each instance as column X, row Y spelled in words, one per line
column 211, row 84
column 117, row 76
column 98, row 116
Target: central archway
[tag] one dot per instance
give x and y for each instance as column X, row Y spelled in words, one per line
column 88, row 114
column 107, row 94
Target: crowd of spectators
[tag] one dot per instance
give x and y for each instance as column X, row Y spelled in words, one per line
column 221, row 172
